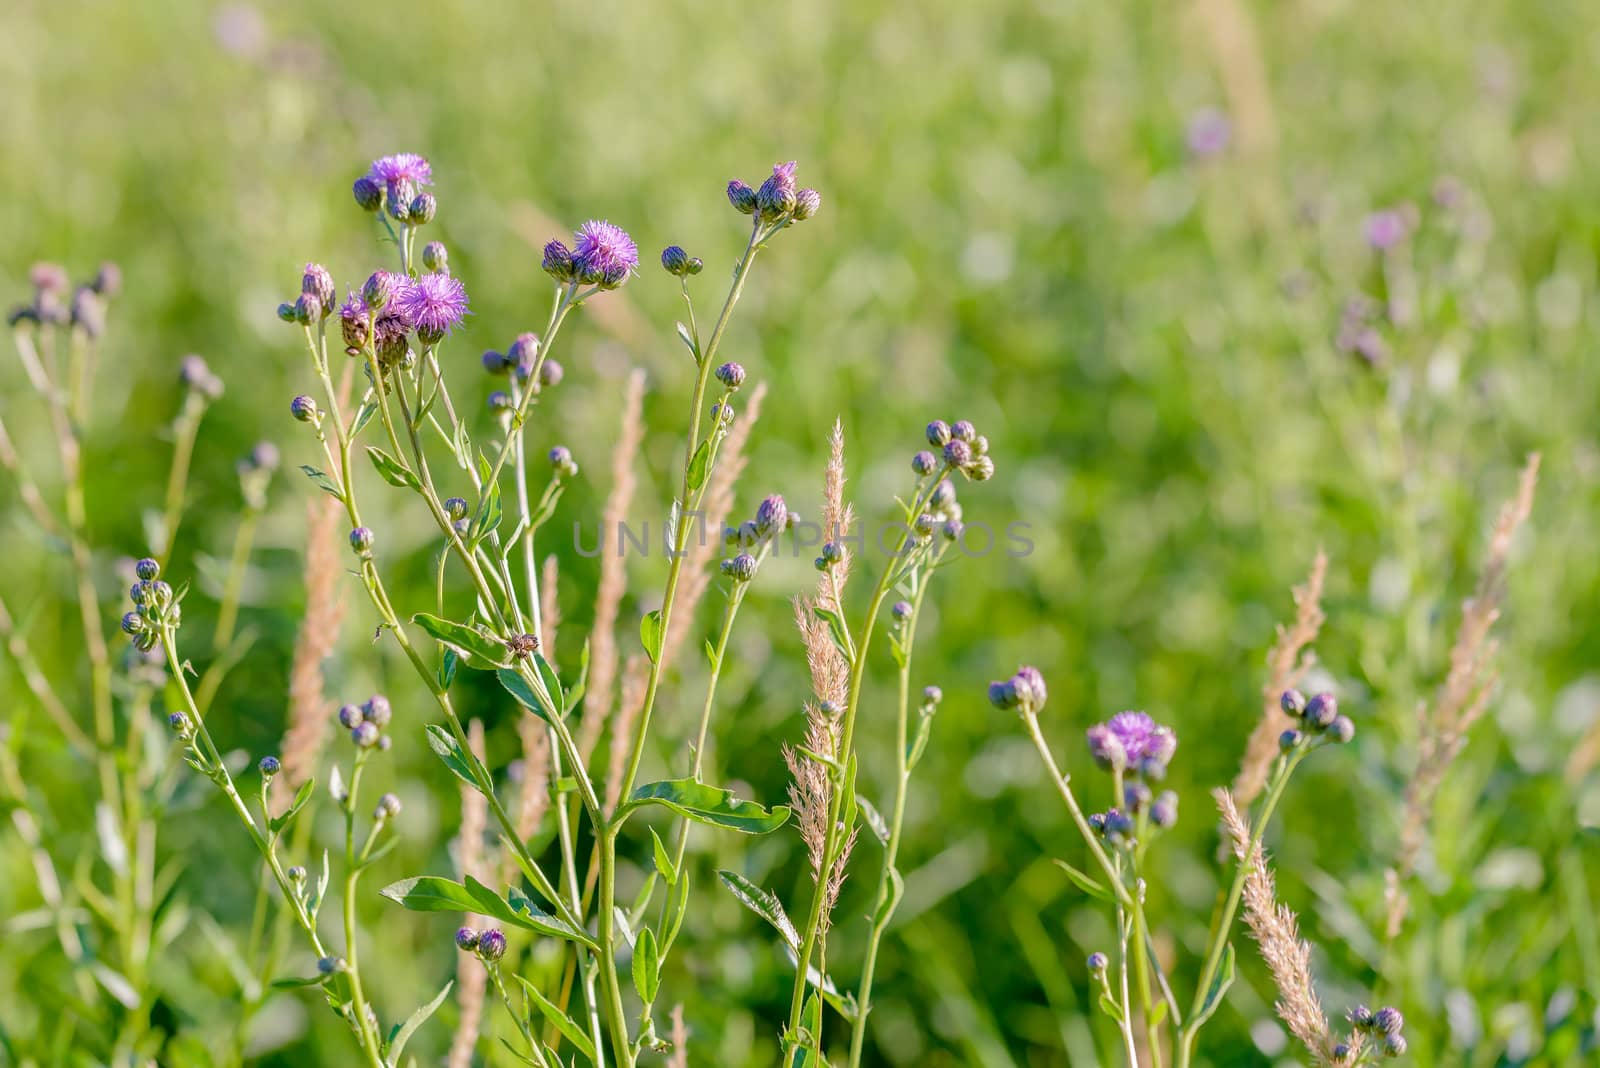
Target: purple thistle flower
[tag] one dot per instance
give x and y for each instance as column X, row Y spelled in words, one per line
column 604, row 254
column 434, row 305
column 354, row 323
column 1139, row 741
column 401, row 167
column 777, row 195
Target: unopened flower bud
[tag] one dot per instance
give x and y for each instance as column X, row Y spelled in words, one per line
column 938, row 433
column 924, row 463
column 377, row 290
column 1321, row 711
column 1360, row 1017
column 731, row 375
column 952, row 530
column 1388, row 1020
column 957, row 453
column 901, row 611
column 491, row 945
column 1289, row 739
column 500, row 401
column 1098, row 962
column 435, row 257
column 388, row 807
column 981, row 469
column 147, row 569
column 368, row 193
column 980, row 446
column 270, row 766
column 1293, row 703
column 455, row 507
column 422, row 209
column 365, row 735
column 742, row 197
column 1136, row 796
column 931, row 695
column 1106, row 748
column 297, row 874
column 376, row 710
column 741, row 568
column 1164, row 812
column 1003, row 694
column 561, row 460
column 361, row 539
column 551, row 373
column 332, row 965
column 308, row 309
column 132, row 623
column 522, row 354
column 1343, row 730
column 675, row 261
column 107, row 280
column 1394, row 1045
column 319, row 283
column 179, row 722
column 832, row 553
column 924, row 527
column 807, row 202
column 557, row 262
column 286, row 312
column 466, row 939
column 303, row 408
column 350, row 716
column 772, row 515
column 775, row 199
column 962, row 430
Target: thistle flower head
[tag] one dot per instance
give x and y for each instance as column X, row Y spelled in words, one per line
column 1133, row 740
column 433, row 305
column 603, row 254
column 772, row 515
column 270, row 766
column 317, row 281
column 924, row 463
column 355, row 324
column 776, row 197
column 1025, row 691
column 807, row 202
column 741, row 196
column 523, row 353
column 557, row 261
column 731, row 375
column 741, row 568
column 401, row 167
column 435, row 257
column 466, row 939
column 551, row 373
column 491, row 945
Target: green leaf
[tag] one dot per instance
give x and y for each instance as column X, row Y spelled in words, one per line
column 763, row 903
column 650, row 634
column 444, row 744
column 562, row 1022
column 664, row 864
column 432, row 893
column 836, row 627
column 518, row 687
column 874, row 818
column 447, row 668
column 578, row 689
column 489, row 510
column 919, row 744
column 551, row 680
column 706, row 804
column 1214, row 994
column 402, row 1034
column 1110, row 1008
column 891, row 899
column 896, row 650
column 291, row 983
column 699, row 464
column 1158, row 1012
column 393, row 471
column 301, row 796
column 322, row 480
column 688, row 341
column 711, row 654
column 368, row 410
column 646, row 965
column 478, row 650
column 1084, row 882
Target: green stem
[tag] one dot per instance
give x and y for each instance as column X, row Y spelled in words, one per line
column 228, row 611
column 1113, row 875
column 1219, row 937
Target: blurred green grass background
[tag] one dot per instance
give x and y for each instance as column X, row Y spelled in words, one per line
column 1013, row 233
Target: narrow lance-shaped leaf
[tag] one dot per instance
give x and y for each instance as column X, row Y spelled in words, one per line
column 646, row 966
column 478, row 650
column 403, row 1032
column 763, row 903
column 562, row 1022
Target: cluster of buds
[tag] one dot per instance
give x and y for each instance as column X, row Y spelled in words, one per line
column 1319, row 718
column 772, row 518
column 520, row 358
column 1134, row 743
column 1117, row 825
column 255, row 471
column 1024, row 692
column 487, row 945
column 155, row 606
column 1383, row 1027
column 562, row 463
column 777, row 202
column 677, row 262
column 366, row 722
column 50, row 306
column 961, row 448
column 198, row 378
column 396, row 183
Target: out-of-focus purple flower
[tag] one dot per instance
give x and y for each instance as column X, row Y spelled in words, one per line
column 1386, row 229
column 240, row 30
column 1209, row 133
column 49, row 277
column 604, row 254
column 1132, row 740
column 523, row 354
column 434, row 305
column 1024, row 691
